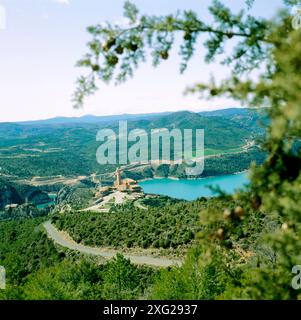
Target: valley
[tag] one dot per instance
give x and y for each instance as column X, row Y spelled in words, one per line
column 61, row 154
column 82, row 211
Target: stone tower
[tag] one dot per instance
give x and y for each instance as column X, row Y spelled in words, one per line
column 118, row 181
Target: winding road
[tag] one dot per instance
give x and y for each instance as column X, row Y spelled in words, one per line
column 66, row 242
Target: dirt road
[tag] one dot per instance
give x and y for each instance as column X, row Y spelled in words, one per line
column 65, row 241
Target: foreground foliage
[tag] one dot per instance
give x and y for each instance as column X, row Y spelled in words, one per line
column 25, row 248
column 264, row 58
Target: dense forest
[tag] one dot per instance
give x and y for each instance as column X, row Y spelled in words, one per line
column 213, row 166
column 36, row 269
column 127, row 226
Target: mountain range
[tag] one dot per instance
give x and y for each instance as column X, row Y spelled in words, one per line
column 229, row 112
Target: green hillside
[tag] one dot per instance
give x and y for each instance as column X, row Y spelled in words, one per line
column 70, row 149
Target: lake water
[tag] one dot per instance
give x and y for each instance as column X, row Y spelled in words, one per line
column 193, row 189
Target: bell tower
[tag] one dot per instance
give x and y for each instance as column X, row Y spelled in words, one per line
column 118, row 181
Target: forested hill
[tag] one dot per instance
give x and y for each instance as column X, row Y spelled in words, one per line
column 68, row 149
column 221, row 132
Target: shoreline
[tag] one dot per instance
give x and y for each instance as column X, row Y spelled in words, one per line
column 200, row 178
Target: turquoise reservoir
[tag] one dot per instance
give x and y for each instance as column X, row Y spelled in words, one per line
column 193, row 189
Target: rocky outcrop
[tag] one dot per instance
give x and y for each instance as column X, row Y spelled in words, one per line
column 22, row 211
column 14, row 193
column 38, row 197
column 8, row 194
column 76, row 197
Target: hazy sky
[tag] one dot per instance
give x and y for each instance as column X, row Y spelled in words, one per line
column 43, row 39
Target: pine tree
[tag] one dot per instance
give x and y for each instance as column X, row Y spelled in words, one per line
column 253, row 244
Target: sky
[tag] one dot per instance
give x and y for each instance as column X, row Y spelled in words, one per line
column 41, row 40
